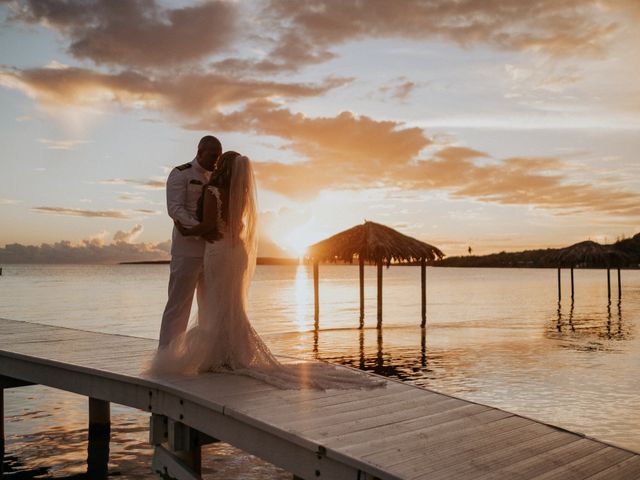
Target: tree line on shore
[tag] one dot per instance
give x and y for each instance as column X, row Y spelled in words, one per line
column 628, row 249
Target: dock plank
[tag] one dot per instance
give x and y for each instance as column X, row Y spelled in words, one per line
column 504, row 455
column 544, row 462
column 629, row 468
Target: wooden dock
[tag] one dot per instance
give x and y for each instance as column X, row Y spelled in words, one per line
column 397, row 432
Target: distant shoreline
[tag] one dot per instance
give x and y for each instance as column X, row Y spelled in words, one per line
column 260, row 261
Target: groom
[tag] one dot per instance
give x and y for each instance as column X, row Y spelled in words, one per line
column 184, row 187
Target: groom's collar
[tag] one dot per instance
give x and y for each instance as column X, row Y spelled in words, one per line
column 199, row 168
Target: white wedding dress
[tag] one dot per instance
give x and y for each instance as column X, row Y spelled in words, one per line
column 222, row 339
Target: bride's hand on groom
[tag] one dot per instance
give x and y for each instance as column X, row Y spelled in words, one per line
column 210, row 236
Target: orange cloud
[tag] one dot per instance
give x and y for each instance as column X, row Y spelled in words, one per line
column 191, row 94
column 556, row 27
column 141, row 34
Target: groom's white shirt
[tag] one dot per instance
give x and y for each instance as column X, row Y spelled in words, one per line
column 184, row 187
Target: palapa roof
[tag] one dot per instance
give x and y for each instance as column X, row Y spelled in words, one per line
column 374, row 243
column 591, row 254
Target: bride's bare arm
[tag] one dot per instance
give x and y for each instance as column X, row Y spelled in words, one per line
column 208, row 226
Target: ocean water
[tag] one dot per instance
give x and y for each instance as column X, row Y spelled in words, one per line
column 494, row 336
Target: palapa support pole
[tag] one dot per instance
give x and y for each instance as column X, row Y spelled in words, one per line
column 316, row 305
column 572, row 284
column 379, row 265
column 609, row 284
column 559, row 287
column 361, row 269
column 423, row 347
column 619, row 286
column 423, row 282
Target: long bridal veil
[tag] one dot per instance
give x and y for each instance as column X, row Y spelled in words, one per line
column 222, row 338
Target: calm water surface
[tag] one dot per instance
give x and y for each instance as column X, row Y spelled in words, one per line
column 497, row 337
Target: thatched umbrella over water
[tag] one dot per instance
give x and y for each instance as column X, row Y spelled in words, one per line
column 373, row 243
column 590, row 254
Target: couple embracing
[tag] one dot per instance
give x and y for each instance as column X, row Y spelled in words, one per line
column 212, row 201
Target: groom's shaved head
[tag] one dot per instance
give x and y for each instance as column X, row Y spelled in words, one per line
column 209, row 142
column 209, row 149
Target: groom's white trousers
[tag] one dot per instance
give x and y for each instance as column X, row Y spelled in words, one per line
column 186, row 275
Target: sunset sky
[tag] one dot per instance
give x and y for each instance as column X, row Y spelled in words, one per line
column 495, row 124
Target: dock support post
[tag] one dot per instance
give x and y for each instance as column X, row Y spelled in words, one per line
column 2, row 429
column 423, row 282
column 361, row 270
column 183, row 442
column 99, row 433
column 609, row 284
column 316, row 304
column 559, row 287
column 6, row 382
column 379, row 265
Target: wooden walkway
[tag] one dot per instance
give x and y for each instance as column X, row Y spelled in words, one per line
column 398, row 432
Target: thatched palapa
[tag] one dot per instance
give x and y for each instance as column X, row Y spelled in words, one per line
column 374, row 243
column 592, row 254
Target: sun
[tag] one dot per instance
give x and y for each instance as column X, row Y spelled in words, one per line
column 298, row 240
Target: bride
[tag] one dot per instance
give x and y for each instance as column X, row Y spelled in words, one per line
column 222, row 338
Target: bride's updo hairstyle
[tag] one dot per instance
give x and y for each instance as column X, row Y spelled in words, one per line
column 221, row 177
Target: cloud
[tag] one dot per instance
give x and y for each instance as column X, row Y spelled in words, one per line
column 192, row 94
column 130, row 236
column 136, row 32
column 399, row 88
column 152, row 184
column 285, row 35
column 93, row 251
column 62, row 144
column 537, row 181
column 306, row 31
column 8, row 201
column 130, row 198
column 76, row 212
column 336, row 151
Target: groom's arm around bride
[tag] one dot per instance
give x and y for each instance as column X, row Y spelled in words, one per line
column 184, row 187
